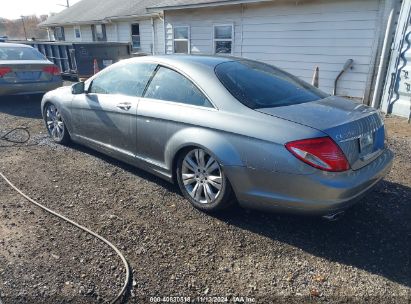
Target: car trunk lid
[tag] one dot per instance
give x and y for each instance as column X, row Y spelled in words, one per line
column 357, row 129
column 26, row 71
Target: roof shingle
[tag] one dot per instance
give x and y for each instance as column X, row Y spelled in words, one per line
column 98, row 10
column 183, row 3
column 89, row 11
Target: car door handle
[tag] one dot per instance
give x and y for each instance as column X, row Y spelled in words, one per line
column 124, row 106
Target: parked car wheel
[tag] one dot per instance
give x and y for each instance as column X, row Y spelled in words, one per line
column 202, row 180
column 55, row 124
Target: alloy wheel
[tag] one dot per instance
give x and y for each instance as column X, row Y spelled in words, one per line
column 54, row 122
column 201, row 176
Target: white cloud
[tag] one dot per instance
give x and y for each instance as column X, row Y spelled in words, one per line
column 16, row 8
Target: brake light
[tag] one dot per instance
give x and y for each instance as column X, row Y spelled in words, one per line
column 4, row 71
column 52, row 69
column 322, row 153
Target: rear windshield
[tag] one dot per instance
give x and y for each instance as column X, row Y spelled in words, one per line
column 20, row 53
column 259, row 85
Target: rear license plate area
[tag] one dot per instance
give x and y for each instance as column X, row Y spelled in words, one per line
column 26, row 76
column 366, row 143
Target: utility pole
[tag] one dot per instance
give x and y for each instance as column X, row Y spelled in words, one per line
column 24, row 26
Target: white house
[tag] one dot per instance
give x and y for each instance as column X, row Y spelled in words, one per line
column 112, row 21
column 296, row 35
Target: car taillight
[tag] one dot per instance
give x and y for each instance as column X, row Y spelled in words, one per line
column 322, row 153
column 4, row 71
column 52, row 69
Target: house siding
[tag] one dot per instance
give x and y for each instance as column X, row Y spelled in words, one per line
column 295, row 37
column 159, row 36
column 111, row 32
column 121, row 32
column 124, row 31
column 69, row 33
column 146, row 37
column 86, row 34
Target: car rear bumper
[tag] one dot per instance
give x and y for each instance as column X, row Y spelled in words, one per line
column 28, row 88
column 320, row 193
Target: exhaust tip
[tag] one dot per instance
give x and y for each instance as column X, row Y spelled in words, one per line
column 332, row 217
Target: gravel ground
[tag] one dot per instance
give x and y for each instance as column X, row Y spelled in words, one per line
column 175, row 250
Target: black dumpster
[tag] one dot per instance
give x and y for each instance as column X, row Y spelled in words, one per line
column 104, row 53
column 76, row 59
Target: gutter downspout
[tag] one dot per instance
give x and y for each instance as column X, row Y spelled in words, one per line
column 117, row 31
column 376, row 100
column 348, row 64
column 153, row 36
column 164, row 34
column 242, row 30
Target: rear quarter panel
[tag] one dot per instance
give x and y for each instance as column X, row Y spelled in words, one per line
column 236, row 139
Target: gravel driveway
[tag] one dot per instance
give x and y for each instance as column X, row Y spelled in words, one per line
column 175, row 250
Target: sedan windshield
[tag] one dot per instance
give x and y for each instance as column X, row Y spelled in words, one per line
column 259, row 85
column 20, row 53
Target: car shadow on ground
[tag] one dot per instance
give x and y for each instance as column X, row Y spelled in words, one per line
column 126, row 167
column 22, row 106
column 374, row 235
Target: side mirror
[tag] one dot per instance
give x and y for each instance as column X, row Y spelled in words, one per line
column 78, row 88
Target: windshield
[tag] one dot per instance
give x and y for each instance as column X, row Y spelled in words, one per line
column 20, row 53
column 259, row 85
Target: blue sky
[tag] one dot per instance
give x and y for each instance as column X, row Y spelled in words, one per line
column 15, row 8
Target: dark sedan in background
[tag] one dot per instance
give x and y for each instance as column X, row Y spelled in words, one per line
column 24, row 70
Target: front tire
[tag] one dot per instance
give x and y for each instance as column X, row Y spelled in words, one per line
column 55, row 124
column 202, row 180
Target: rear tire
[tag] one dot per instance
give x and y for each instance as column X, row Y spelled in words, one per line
column 202, row 180
column 55, row 124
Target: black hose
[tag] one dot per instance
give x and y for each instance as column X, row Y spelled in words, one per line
column 14, row 142
column 6, row 137
column 123, row 259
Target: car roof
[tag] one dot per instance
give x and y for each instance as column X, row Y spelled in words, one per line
column 191, row 60
column 6, row 44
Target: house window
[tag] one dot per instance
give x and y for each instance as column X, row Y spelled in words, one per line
column 223, row 39
column 181, row 39
column 135, row 35
column 59, row 33
column 77, row 32
column 99, row 32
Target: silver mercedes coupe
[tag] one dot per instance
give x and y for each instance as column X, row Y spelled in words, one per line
column 227, row 130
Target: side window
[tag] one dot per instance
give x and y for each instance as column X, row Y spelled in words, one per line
column 172, row 86
column 126, row 79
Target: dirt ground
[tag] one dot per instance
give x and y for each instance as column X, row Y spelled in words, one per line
column 177, row 251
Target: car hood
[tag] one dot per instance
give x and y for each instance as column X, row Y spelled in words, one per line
column 344, row 120
column 62, row 94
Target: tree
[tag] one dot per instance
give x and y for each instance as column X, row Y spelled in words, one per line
column 2, row 27
column 15, row 31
